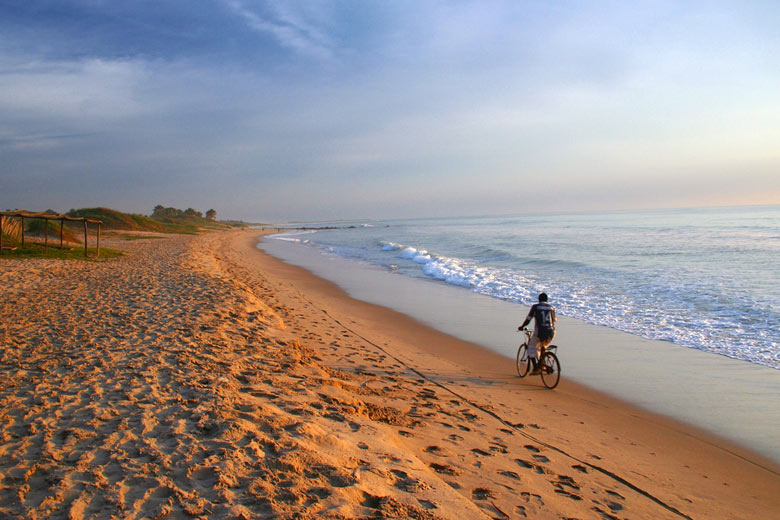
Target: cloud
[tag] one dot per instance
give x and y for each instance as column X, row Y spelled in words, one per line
column 289, row 26
column 310, row 109
column 72, row 89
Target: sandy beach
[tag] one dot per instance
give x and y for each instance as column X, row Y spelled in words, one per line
column 197, row 377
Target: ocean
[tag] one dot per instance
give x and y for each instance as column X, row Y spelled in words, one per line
column 707, row 279
column 675, row 311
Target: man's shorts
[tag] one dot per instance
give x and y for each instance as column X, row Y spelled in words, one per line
column 536, row 344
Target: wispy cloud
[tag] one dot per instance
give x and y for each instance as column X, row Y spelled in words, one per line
column 292, row 27
column 38, row 141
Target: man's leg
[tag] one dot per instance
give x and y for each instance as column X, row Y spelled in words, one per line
column 541, row 346
column 533, row 352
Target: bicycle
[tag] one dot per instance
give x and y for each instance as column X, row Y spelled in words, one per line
column 550, row 366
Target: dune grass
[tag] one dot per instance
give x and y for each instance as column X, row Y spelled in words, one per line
column 72, row 252
column 116, row 220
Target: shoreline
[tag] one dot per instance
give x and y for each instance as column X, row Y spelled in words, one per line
column 488, row 364
column 492, row 369
column 198, row 376
column 731, row 399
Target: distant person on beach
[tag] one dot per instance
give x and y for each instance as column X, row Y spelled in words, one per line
column 544, row 318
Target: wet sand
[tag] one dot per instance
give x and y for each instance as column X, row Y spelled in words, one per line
column 199, row 377
column 730, row 398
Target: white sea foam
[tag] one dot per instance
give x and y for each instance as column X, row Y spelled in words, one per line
column 292, row 236
column 636, row 311
column 676, row 277
column 390, row 246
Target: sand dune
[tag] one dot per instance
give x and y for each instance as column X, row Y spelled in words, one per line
column 190, row 379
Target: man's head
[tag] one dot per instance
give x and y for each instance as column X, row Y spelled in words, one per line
column 543, row 297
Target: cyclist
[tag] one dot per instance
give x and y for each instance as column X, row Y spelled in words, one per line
column 544, row 318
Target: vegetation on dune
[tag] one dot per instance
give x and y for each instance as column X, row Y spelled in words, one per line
column 162, row 220
column 113, row 219
column 134, row 236
column 39, row 227
column 176, row 216
column 238, row 223
column 186, row 221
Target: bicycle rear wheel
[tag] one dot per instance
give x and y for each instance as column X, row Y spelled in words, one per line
column 551, row 370
column 522, row 363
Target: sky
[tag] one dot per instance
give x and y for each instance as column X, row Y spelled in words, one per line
column 360, row 109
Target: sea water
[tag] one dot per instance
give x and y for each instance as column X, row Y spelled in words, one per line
column 675, row 311
column 706, row 279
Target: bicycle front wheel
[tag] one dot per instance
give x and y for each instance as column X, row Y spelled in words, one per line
column 551, row 370
column 522, row 363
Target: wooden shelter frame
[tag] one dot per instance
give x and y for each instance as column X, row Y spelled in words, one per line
column 48, row 216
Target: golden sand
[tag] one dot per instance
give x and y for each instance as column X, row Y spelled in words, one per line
column 197, row 377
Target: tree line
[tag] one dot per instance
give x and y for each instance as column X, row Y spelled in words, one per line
column 160, row 211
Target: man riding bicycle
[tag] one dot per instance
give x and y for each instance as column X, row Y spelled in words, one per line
column 544, row 318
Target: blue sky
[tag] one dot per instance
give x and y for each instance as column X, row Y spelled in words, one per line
column 377, row 109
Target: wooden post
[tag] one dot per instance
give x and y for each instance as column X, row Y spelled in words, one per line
column 85, row 238
column 22, row 231
column 45, row 234
column 98, row 240
column 62, row 223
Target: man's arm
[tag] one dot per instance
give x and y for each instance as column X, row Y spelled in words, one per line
column 527, row 318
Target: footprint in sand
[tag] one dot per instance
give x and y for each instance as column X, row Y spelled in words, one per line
column 406, row 483
column 468, row 415
column 532, row 498
column 530, row 465
column 567, row 486
column 498, row 448
column 436, row 450
column 444, row 469
column 482, row 494
column 427, row 504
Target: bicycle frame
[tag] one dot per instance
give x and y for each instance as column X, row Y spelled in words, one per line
column 549, row 365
